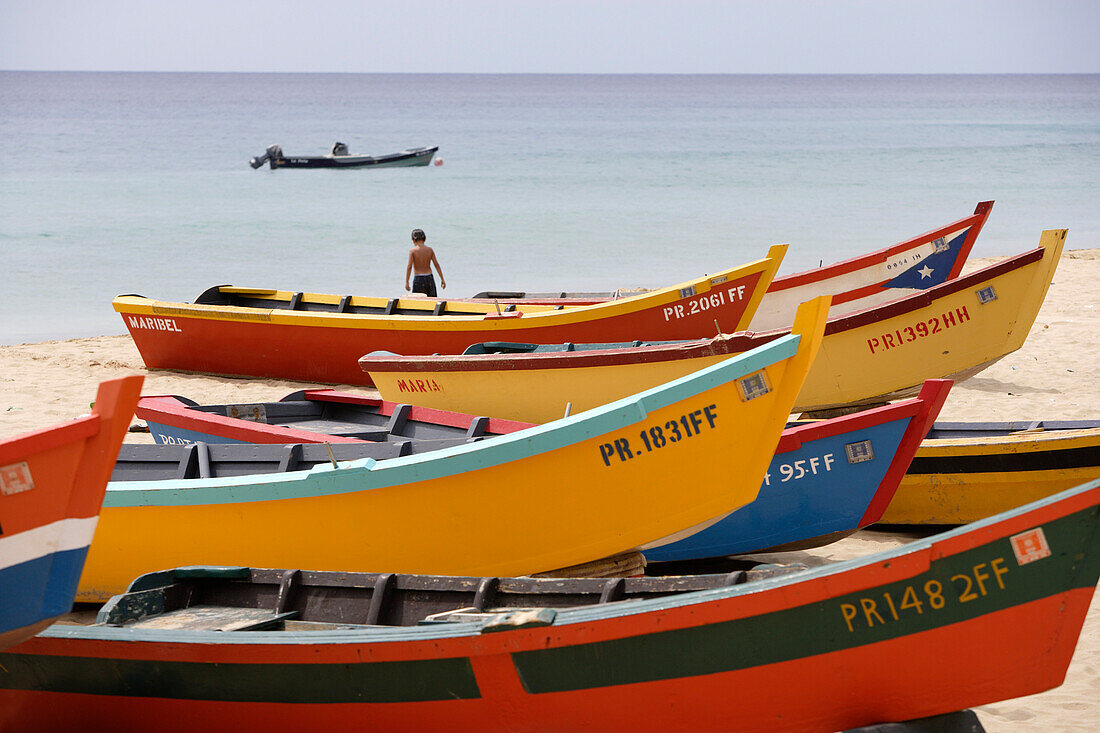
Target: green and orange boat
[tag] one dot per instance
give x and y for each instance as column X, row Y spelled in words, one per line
column 983, row 613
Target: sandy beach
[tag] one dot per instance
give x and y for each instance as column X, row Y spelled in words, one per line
column 1054, row 376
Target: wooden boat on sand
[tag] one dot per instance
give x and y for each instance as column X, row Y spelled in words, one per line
column 827, row 478
column 318, row 338
column 983, row 613
column 309, row 416
column 855, row 284
column 569, row 492
column 967, row 471
column 51, row 487
column 339, row 157
column 953, row 331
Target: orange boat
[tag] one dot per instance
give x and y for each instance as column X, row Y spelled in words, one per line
column 51, row 487
column 984, row 613
column 319, row 338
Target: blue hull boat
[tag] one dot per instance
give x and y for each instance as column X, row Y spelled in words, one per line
column 826, row 480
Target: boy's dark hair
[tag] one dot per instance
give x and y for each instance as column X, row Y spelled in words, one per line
column 418, row 235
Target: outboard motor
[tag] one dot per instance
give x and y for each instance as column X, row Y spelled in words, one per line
column 340, row 149
column 273, row 152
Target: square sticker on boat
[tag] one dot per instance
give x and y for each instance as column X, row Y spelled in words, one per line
column 987, row 294
column 252, row 413
column 940, row 245
column 16, row 478
column 687, row 292
column 860, row 452
column 753, row 386
column 1030, row 546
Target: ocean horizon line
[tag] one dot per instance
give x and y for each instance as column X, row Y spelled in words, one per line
column 559, row 73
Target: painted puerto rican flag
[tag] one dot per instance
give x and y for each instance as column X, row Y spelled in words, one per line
column 933, row 268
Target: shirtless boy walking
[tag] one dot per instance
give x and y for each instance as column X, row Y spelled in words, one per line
column 421, row 258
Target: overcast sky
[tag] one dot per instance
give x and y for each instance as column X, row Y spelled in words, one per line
column 554, row 36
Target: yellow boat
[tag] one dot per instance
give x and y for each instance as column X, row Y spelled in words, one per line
column 644, row 470
column 964, row 472
column 952, row 330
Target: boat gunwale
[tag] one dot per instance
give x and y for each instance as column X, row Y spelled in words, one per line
column 794, row 437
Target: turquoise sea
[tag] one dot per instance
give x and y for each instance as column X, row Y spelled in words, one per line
column 139, row 182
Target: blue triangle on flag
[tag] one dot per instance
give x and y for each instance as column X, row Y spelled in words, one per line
column 933, row 269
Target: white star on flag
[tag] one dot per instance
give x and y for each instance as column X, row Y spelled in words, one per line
column 925, row 271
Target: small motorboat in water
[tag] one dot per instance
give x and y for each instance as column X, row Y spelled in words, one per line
column 340, row 158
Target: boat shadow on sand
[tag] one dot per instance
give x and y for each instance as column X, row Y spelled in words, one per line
column 989, row 384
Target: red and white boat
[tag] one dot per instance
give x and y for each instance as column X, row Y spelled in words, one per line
column 876, row 278
column 51, row 488
column 872, row 279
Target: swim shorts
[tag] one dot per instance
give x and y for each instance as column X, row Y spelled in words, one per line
column 424, row 284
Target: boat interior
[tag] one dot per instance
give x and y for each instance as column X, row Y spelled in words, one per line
column 254, row 599
column 146, row 462
column 225, row 295
column 383, row 421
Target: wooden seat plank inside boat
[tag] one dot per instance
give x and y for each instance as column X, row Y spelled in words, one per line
column 215, row 618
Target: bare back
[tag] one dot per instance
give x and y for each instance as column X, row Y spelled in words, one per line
column 421, row 258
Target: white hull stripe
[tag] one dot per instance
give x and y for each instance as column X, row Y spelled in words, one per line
column 59, row 536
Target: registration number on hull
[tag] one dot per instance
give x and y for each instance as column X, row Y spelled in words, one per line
column 660, row 435
column 929, row 597
column 704, row 303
